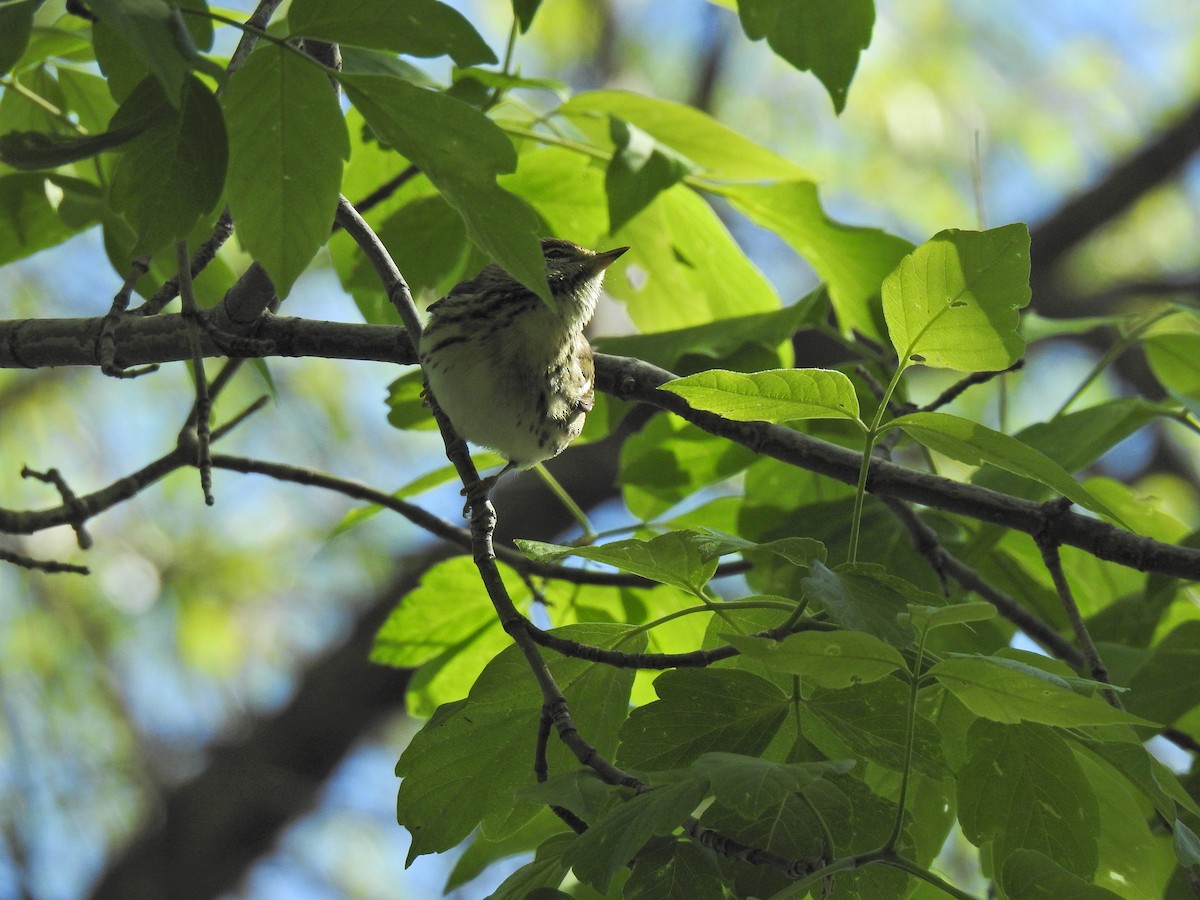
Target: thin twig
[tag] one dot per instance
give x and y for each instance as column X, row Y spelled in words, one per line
column 1099, row 671
column 200, row 260
column 76, row 507
column 202, row 411
column 49, row 566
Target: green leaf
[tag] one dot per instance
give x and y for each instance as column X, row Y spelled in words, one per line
column 172, row 173
column 870, row 721
column 1187, row 844
column 1022, row 788
column 782, row 395
column 407, row 409
column 287, row 142
column 759, row 336
column 639, row 171
column 952, row 303
column 423, row 28
column 449, row 788
column 669, row 460
column 156, row 32
column 601, row 851
column 682, row 249
column 860, row 597
column 974, row 444
column 461, row 151
column 673, row 870
column 717, row 151
column 830, row 659
column 700, row 710
column 524, row 11
column 927, row 618
column 1175, row 361
column 507, row 82
column 30, row 221
column 16, row 25
column 1075, row 440
column 546, row 871
column 821, row 36
column 1030, row 875
column 1165, row 687
column 995, row 689
column 753, row 786
column 852, row 261
column 674, row 558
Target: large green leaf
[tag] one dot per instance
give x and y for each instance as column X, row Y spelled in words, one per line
column 852, row 261
column 782, row 395
column 718, row 152
column 675, row 558
column 172, row 173
column 952, row 303
column 412, row 27
column 461, row 151
column 685, row 268
column 287, row 141
column 736, row 343
column 702, row 710
column 156, row 31
column 861, row 597
column 601, row 851
column 1075, row 440
column 870, row 721
column 16, row 24
column 975, row 444
column 30, row 222
column 669, row 460
column 830, row 659
column 1022, row 788
column 821, row 36
column 1030, row 875
column 752, row 785
column 449, row 787
column 674, row 870
column 1006, row 691
column 1175, row 360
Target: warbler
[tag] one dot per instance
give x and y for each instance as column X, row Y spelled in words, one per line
column 513, row 373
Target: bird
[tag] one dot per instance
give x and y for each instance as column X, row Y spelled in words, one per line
column 511, row 372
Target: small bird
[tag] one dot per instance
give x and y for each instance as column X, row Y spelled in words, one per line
column 513, row 373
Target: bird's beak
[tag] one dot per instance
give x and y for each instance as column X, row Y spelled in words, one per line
column 603, row 260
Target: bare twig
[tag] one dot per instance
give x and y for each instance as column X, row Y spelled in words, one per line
column 202, row 410
column 71, row 503
column 49, row 566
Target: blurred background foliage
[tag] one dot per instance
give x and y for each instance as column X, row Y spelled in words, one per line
column 197, row 622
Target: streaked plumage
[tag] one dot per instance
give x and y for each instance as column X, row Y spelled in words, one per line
column 513, row 374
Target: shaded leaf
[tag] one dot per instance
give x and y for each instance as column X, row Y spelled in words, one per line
column 413, row 27
column 1022, row 788
column 640, row 169
column 172, row 173
column 700, row 710
column 975, row 444
column 674, row 558
column 601, row 851
column 999, row 690
column 157, row 33
column 860, row 597
column 461, row 151
column 830, row 659
column 821, row 36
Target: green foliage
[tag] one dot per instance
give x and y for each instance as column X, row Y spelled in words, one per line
column 839, row 703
